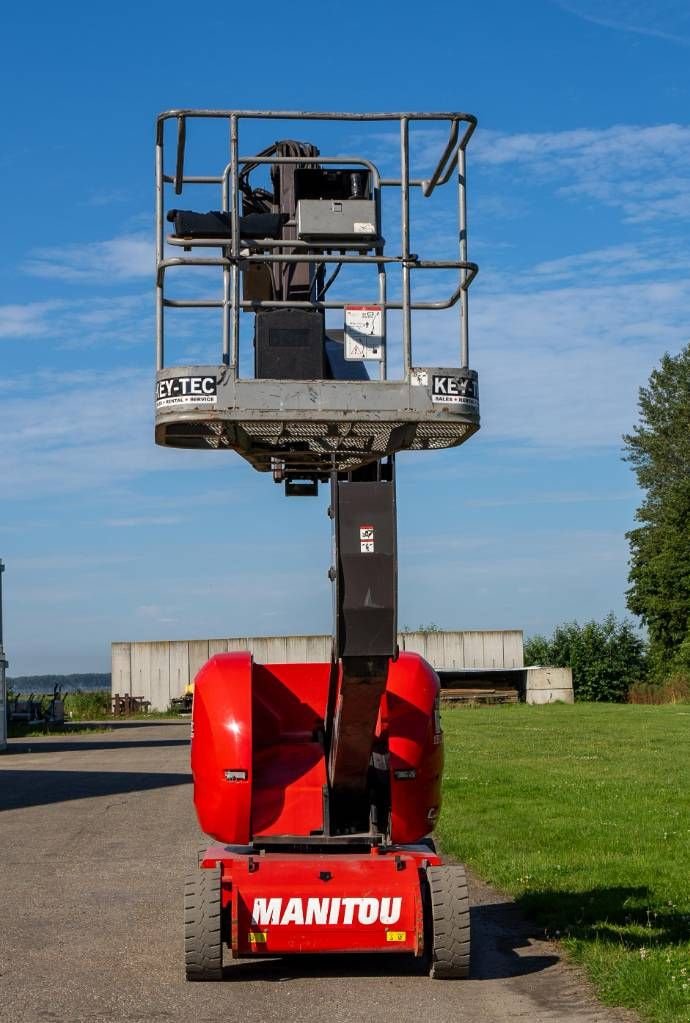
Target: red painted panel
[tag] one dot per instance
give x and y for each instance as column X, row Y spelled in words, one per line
column 288, row 789
column 326, row 903
column 410, row 718
column 222, row 741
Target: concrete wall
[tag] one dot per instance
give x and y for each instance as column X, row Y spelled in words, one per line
column 160, row 671
column 547, row 685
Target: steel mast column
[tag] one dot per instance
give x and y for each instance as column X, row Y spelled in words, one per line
column 365, row 578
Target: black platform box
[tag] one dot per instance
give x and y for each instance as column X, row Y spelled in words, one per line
column 289, row 344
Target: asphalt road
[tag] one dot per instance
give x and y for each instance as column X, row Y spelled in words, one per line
column 96, row 833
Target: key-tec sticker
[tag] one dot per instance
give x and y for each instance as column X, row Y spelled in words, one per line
column 191, row 390
column 452, row 390
column 366, row 539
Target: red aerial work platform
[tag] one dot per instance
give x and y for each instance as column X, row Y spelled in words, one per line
column 319, row 783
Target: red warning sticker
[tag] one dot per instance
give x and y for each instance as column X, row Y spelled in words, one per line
column 366, row 539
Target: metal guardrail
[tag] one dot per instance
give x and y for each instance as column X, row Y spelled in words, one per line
column 234, row 253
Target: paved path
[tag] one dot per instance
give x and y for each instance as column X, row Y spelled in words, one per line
column 96, row 833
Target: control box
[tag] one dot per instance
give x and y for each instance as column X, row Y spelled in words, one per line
column 351, row 221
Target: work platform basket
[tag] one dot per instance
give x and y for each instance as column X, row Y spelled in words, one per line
column 342, row 418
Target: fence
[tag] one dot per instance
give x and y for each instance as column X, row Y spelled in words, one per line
column 158, row 671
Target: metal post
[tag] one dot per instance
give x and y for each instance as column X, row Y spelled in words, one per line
column 3, row 688
column 160, row 244
column 405, row 203
column 232, row 356
column 464, row 307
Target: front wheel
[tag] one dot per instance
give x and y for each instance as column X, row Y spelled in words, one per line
column 203, row 943
column 449, row 907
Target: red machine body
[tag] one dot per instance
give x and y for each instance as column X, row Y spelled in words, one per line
column 336, row 902
column 258, row 755
column 260, row 786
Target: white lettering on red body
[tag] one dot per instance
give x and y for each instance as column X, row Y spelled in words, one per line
column 329, row 911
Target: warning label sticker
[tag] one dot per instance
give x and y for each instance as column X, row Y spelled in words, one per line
column 363, row 332
column 187, row 390
column 366, row 539
column 452, row 390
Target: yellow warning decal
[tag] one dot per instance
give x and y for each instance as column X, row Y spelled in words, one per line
column 396, row 935
column 257, row 937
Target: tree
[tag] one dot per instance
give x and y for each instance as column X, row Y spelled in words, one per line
column 659, row 451
column 606, row 657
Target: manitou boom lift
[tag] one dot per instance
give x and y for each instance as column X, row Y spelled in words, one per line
column 320, row 783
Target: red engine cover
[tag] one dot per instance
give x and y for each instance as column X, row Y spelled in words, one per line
column 222, row 741
column 257, row 747
column 411, row 719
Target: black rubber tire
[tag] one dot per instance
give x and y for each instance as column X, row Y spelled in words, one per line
column 203, row 942
column 449, row 930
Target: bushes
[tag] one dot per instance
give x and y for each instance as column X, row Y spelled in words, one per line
column 606, row 658
column 676, row 689
column 80, row 706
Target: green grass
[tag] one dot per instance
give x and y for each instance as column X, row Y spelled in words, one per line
column 583, row 815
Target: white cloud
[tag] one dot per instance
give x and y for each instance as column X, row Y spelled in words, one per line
column 30, row 320
column 665, row 19
column 84, row 435
column 560, row 366
column 128, row 257
column 642, row 170
column 76, row 323
column 620, row 262
column 136, row 521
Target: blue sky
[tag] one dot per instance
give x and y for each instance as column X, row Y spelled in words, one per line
column 580, row 202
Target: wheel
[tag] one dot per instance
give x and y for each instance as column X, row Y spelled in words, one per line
column 449, row 930
column 203, row 943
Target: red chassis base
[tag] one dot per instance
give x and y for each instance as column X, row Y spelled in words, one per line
column 397, row 899
column 274, row 903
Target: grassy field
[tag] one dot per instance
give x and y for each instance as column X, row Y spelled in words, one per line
column 583, row 814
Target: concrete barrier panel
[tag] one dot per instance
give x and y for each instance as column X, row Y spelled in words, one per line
column 297, row 649
column 159, row 654
column 453, row 651
column 238, row 644
column 159, row 671
column 318, row 649
column 121, row 668
column 141, row 670
column 413, row 642
column 513, row 649
column 179, row 667
column 435, row 648
column 275, row 649
column 198, row 655
column 473, row 646
column 547, row 685
column 539, row 696
column 492, row 644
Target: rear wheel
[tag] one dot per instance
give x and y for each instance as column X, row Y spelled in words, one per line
column 203, row 944
column 449, row 930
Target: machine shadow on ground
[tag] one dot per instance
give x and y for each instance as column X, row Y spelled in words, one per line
column 619, row 913
column 19, row 789
column 66, row 745
column 498, row 930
